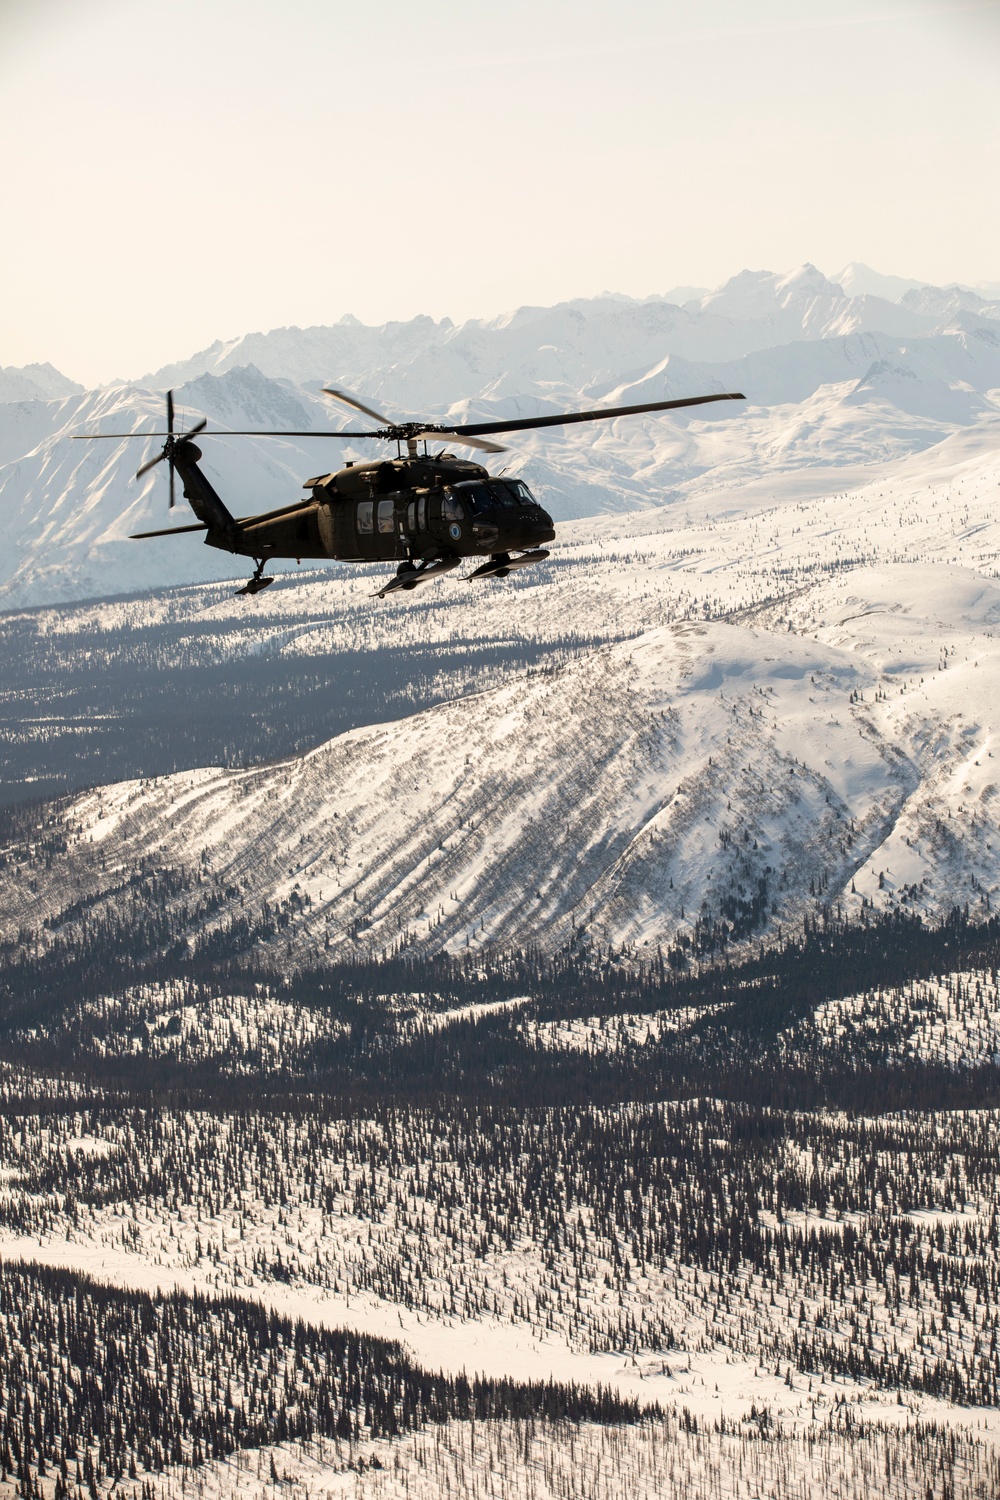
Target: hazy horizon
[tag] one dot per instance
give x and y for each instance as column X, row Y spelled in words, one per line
column 252, row 166
column 133, row 376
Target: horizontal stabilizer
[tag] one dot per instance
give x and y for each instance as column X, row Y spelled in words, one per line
column 140, row 536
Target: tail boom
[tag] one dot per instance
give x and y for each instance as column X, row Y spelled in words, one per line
column 222, row 528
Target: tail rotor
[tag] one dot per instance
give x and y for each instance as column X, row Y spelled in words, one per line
column 169, row 449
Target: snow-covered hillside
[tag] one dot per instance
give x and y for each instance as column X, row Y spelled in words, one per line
column 736, row 1259
column 833, row 381
column 653, row 1460
column 834, row 747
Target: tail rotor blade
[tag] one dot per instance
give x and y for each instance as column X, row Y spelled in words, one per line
column 170, row 413
column 149, row 464
column 183, row 436
column 172, row 501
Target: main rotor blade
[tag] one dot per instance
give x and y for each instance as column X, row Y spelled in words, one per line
column 284, row 432
column 392, row 430
column 149, row 464
column 457, row 436
column 94, row 437
column 170, row 411
column 350, row 400
column 473, row 428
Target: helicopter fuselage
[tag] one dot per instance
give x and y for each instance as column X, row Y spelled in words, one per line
column 424, row 512
column 416, row 508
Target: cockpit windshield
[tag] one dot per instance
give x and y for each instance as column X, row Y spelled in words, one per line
column 501, row 494
column 521, row 492
column 486, row 496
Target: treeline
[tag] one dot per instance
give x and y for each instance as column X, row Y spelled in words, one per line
column 363, row 1035
column 830, row 958
column 99, row 1384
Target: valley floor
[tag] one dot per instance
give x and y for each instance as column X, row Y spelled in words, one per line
column 800, row 1292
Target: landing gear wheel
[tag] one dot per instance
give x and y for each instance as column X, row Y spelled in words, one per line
column 258, row 581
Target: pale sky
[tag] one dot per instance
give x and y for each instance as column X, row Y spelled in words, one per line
column 179, row 172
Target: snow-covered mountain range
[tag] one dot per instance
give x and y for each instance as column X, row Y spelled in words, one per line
column 835, row 379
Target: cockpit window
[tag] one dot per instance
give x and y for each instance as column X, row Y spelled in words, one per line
column 451, row 509
column 502, row 494
column 521, row 492
column 475, row 495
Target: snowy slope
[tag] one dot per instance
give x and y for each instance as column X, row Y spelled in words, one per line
column 857, row 280
column 817, row 676
column 836, row 746
column 652, row 1460
column 954, row 1019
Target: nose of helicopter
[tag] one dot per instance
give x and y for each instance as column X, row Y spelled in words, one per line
column 500, row 528
column 536, row 524
column 542, row 521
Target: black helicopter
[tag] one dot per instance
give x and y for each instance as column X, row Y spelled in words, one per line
column 424, row 511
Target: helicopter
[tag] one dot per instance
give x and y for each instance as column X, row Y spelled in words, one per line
column 426, row 512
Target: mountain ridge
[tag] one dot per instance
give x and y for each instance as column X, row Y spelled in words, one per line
column 750, row 311
column 826, row 385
